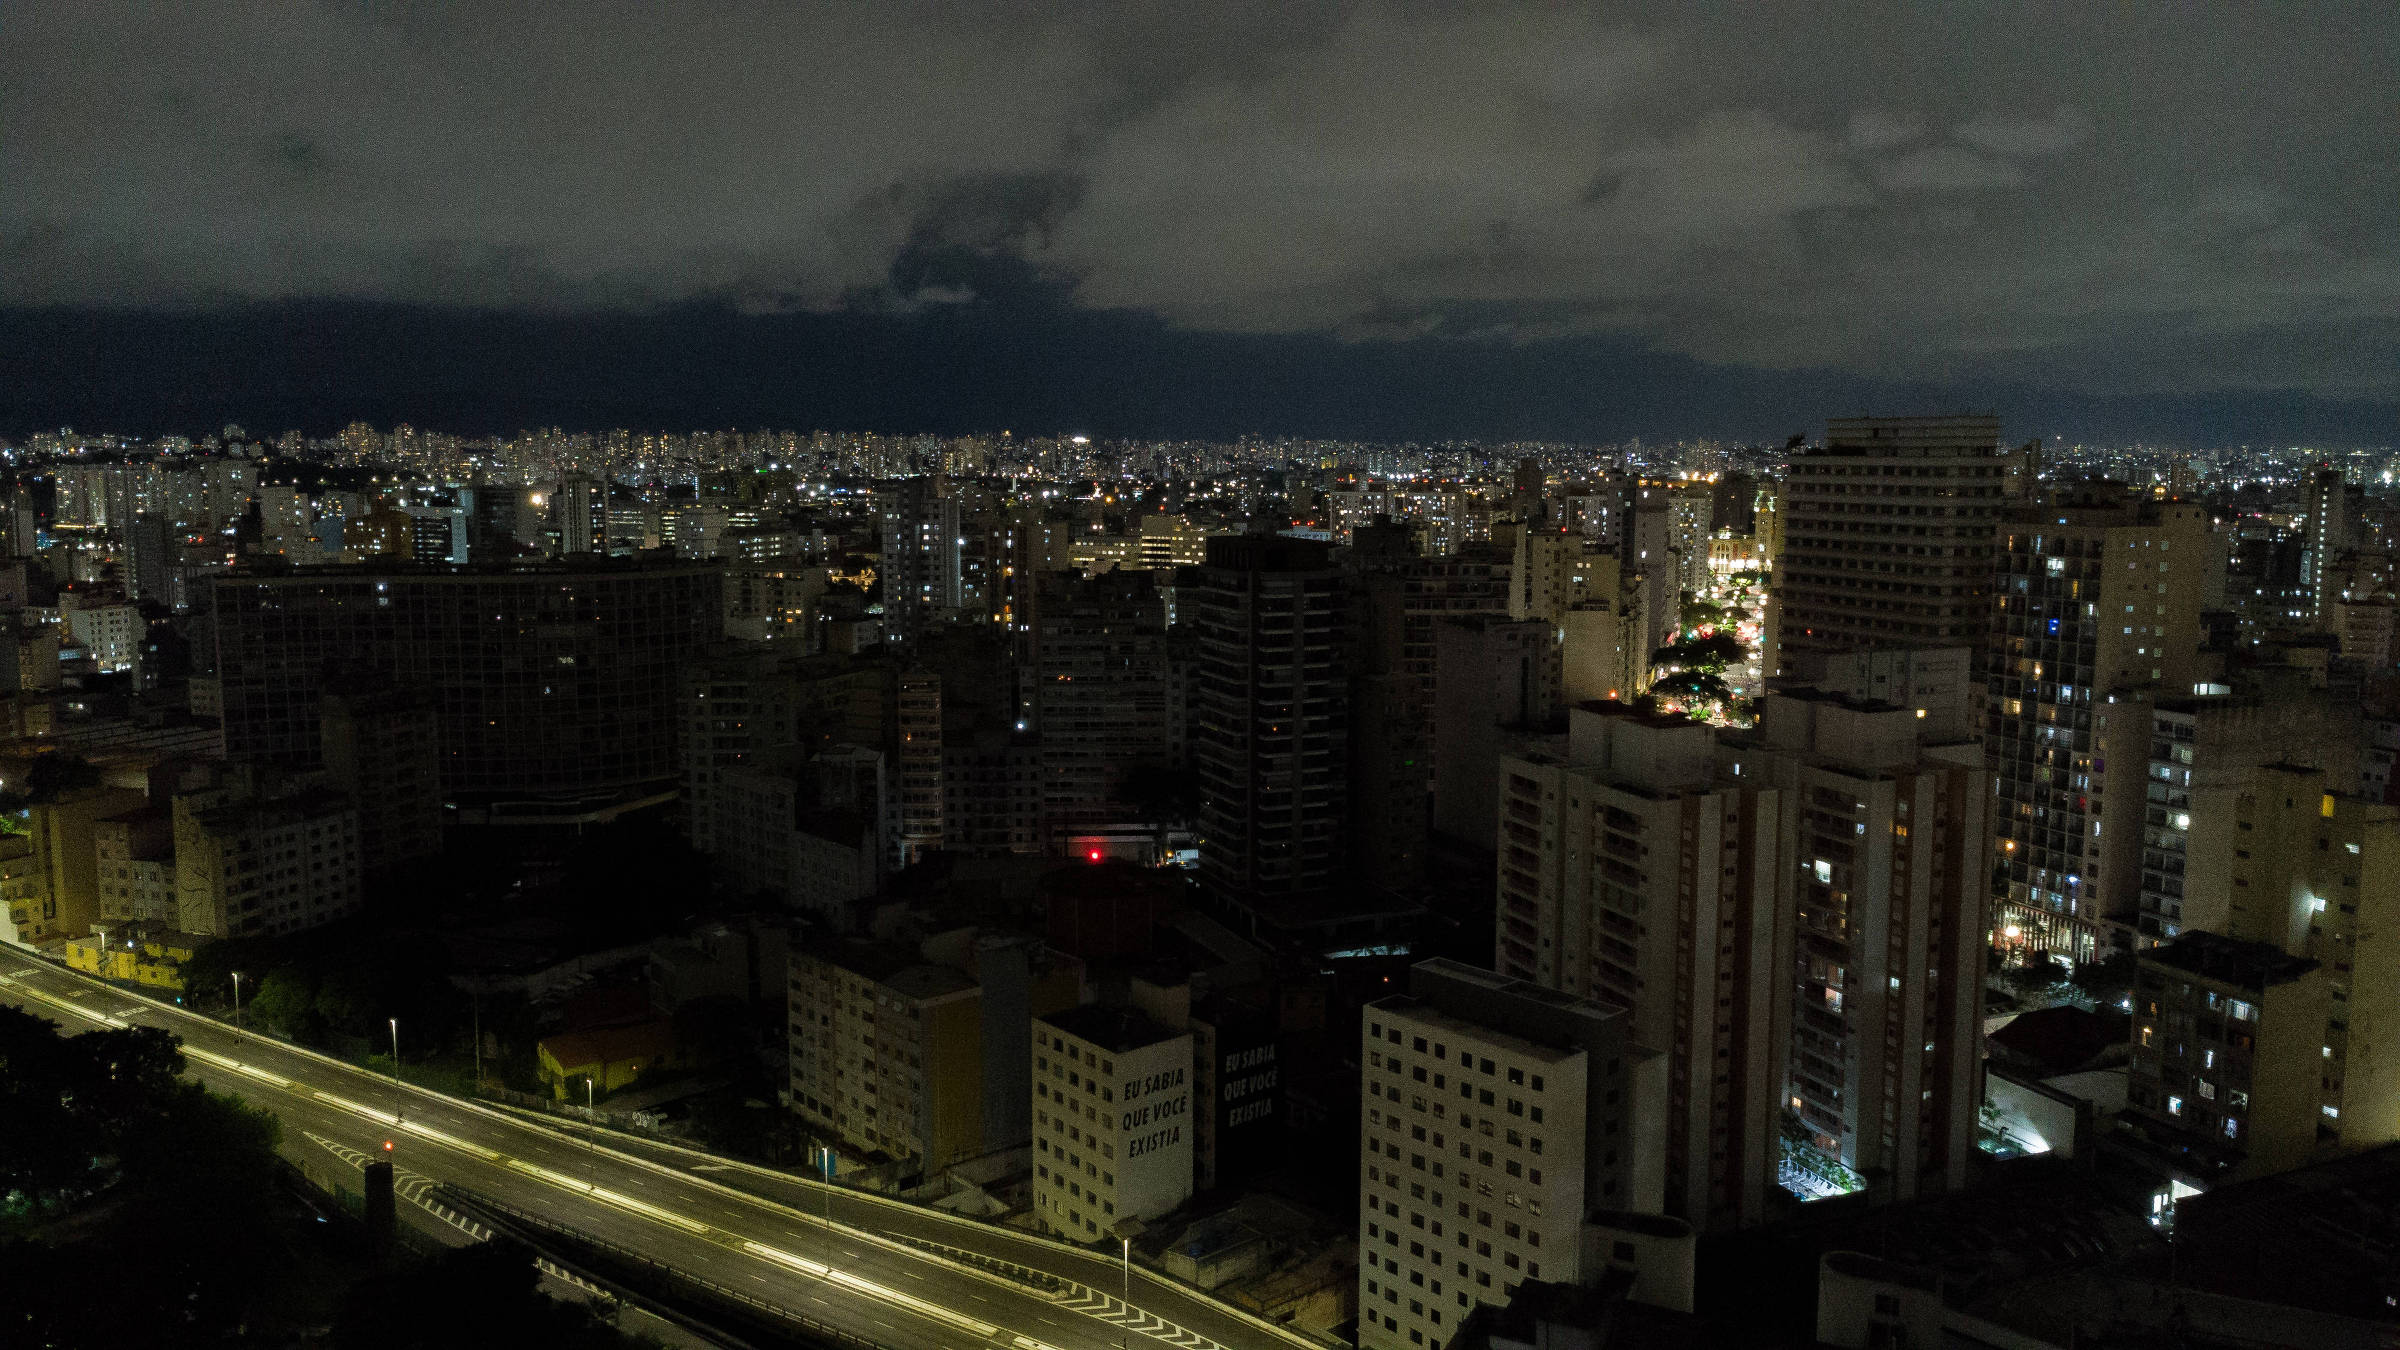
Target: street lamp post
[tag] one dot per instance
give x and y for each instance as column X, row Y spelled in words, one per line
column 1125, row 1231
column 399, row 1108
column 825, row 1168
column 237, row 1005
column 591, row 1130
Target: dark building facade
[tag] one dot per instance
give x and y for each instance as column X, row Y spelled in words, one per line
column 1271, row 746
column 1888, row 534
column 1106, row 695
column 555, row 684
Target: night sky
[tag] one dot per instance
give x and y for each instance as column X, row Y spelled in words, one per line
column 1399, row 221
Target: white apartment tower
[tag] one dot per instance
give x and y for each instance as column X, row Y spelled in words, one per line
column 2095, row 615
column 2328, row 533
column 1777, row 911
column 1889, row 842
column 1497, row 1116
column 1608, row 859
column 1113, row 1129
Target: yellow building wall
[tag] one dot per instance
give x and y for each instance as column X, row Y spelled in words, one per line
column 566, row 1080
column 2370, row 944
column 2285, row 1063
column 64, row 847
column 154, row 964
column 954, row 1079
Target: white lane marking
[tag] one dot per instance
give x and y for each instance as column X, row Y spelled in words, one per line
column 227, row 1062
column 413, row 1127
column 911, row 1302
column 358, row 1108
column 609, row 1197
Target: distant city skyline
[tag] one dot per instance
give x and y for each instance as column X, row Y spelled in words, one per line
column 1037, row 369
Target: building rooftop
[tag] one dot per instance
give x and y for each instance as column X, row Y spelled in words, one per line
column 1609, row 707
column 2319, row 1237
column 1860, row 1266
column 2212, row 956
column 1650, row 1225
column 897, row 968
column 1113, row 1029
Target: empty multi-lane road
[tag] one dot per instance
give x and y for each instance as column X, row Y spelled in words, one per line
column 749, row 1229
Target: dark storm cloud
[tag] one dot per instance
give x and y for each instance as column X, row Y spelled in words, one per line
column 2109, row 198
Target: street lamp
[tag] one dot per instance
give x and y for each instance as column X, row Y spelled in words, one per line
column 591, row 1130
column 1126, row 1230
column 237, row 1005
column 825, row 1166
column 399, row 1109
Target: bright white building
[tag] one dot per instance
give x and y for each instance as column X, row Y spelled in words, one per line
column 1113, row 1132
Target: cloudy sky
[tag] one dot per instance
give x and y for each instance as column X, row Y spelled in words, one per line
column 1384, row 219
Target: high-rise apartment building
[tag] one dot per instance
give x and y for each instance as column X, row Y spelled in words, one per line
column 2095, row 615
column 1113, row 1129
column 1780, row 912
column 1887, row 534
column 1497, row 1117
column 2327, row 534
column 134, row 852
column 745, row 707
column 579, row 514
column 886, row 1053
column 438, row 534
column 1890, row 849
column 111, row 633
column 283, row 512
column 991, row 785
column 556, row 683
column 382, row 747
column 2287, row 856
column 59, row 893
column 809, row 833
column 2208, row 753
column 82, row 501
column 2226, row 1043
column 231, row 484
column 150, row 557
column 1937, row 683
column 1611, row 859
column 249, row 865
column 1271, row 695
column 1105, row 693
column 921, row 570
column 923, row 1055
column 1685, row 520
column 920, row 765
column 1493, row 677
column 2317, row 873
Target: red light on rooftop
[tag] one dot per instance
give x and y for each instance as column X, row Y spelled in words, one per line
column 1094, row 855
column 387, row 1145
